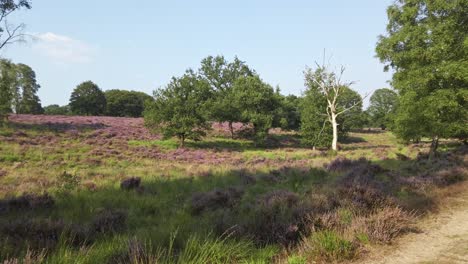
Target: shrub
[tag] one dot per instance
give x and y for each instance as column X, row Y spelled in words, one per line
column 341, row 164
column 385, row 224
column 109, row 221
column 130, row 183
column 27, row 202
column 218, row 198
column 37, row 234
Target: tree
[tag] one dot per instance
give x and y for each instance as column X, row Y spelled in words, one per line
column 11, row 33
column 28, row 101
column 316, row 129
column 383, row 103
column 287, row 115
column 125, row 103
column 179, row 109
column 7, row 79
column 221, row 75
column 56, row 109
column 257, row 102
column 88, row 99
column 327, row 88
column 427, row 47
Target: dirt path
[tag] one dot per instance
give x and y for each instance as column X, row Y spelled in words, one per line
column 443, row 240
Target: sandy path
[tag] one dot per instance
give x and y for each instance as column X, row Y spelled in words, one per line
column 443, row 240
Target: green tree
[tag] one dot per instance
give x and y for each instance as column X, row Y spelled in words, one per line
column 179, row 109
column 427, row 47
column 125, row 103
column 11, row 33
column 7, row 80
column 287, row 114
column 257, row 102
column 383, row 104
column 88, row 99
column 221, row 75
column 56, row 109
column 27, row 88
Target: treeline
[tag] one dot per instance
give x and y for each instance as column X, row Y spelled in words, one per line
column 232, row 92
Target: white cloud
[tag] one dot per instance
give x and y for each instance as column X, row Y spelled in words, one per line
column 63, row 49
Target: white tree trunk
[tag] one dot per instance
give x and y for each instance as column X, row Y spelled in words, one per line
column 335, row 132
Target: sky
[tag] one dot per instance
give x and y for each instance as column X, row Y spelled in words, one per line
column 140, row 45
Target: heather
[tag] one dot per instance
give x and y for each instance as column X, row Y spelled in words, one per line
column 106, row 190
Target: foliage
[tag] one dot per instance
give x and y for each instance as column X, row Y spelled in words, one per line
column 28, row 101
column 256, row 101
column 125, row 103
column 221, row 75
column 287, row 114
column 383, row 104
column 56, row 109
column 426, row 46
column 7, row 79
column 179, row 109
column 19, row 89
column 87, row 99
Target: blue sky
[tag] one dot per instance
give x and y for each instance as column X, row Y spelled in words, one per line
column 140, row 45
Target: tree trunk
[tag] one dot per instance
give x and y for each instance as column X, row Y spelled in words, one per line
column 181, row 141
column 434, row 146
column 231, row 129
column 335, row 133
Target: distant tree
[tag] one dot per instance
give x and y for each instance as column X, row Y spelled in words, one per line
column 7, row 81
column 327, row 88
column 426, row 45
column 55, row 109
column 221, row 75
column 27, row 87
column 125, row 103
column 287, row 115
column 383, row 103
column 179, row 109
column 11, row 33
column 257, row 102
column 88, row 99
column 354, row 117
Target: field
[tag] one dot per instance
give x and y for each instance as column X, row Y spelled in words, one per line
column 70, row 193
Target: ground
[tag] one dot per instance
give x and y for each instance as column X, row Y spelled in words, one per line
column 107, row 190
column 443, row 238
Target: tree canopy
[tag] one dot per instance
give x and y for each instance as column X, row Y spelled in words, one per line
column 221, row 75
column 426, row 45
column 179, row 109
column 383, row 104
column 256, row 101
column 125, row 103
column 88, row 99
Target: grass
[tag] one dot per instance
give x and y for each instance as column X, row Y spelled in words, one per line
column 254, row 203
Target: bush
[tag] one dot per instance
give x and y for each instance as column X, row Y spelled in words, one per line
column 27, row 202
column 385, row 224
column 109, row 221
column 218, row 198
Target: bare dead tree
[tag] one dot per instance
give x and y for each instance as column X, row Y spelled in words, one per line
column 9, row 33
column 331, row 85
